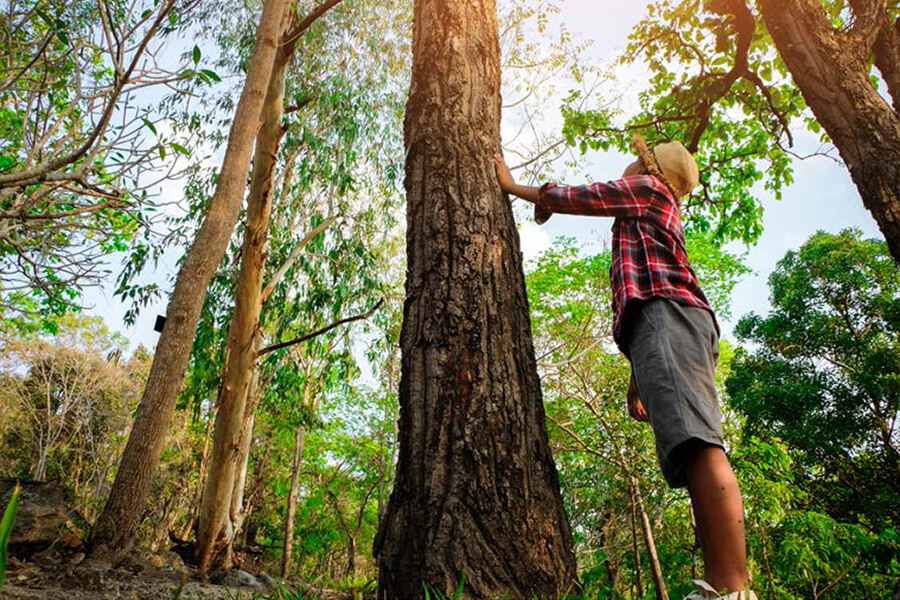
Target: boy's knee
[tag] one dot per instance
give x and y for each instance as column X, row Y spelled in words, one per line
column 689, row 451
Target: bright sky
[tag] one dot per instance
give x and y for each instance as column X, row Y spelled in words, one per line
column 822, row 196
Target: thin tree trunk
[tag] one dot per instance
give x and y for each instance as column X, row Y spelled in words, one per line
column 635, row 546
column 295, row 474
column 655, row 568
column 351, row 555
column 115, row 527
column 831, row 68
column 292, row 501
column 201, row 478
column 40, row 467
column 476, row 489
column 612, row 571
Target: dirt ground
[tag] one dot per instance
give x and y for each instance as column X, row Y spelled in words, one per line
column 101, row 581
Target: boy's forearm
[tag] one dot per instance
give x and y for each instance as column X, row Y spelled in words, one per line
column 525, row 192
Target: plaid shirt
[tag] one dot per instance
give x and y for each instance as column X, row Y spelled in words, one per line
column 648, row 253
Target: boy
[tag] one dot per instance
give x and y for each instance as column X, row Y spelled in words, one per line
column 665, row 326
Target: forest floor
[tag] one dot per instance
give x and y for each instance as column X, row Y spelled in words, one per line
column 166, row 579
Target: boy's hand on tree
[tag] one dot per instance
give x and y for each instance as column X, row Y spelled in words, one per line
column 504, row 177
column 635, row 406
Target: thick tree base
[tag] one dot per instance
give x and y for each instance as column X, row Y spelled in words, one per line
column 476, row 491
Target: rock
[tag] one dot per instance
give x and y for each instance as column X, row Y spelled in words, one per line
column 142, row 559
column 268, row 581
column 239, row 578
column 175, row 562
column 41, row 513
column 28, row 573
column 77, row 558
column 47, row 558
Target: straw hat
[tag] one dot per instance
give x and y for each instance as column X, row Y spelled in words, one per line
column 671, row 163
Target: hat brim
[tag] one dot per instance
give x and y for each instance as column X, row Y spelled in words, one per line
column 650, row 163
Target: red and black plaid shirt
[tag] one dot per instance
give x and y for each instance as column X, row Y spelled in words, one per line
column 648, row 254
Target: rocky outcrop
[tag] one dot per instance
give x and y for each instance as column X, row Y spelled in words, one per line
column 41, row 517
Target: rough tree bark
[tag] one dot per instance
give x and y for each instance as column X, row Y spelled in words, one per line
column 476, row 489
column 831, row 69
column 115, row 527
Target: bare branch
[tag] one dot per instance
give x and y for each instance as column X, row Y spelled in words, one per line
column 321, row 331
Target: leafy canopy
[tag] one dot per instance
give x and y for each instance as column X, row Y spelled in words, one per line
column 824, row 372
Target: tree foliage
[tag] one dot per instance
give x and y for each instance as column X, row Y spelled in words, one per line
column 81, row 147
column 824, row 373
column 718, row 83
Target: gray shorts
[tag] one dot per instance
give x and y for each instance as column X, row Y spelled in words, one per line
column 673, row 349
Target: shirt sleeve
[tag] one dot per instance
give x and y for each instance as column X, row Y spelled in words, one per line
column 627, row 198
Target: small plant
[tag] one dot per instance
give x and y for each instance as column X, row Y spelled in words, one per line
column 439, row 595
column 6, row 526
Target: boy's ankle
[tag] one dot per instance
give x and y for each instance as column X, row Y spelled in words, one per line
column 733, row 582
column 706, row 591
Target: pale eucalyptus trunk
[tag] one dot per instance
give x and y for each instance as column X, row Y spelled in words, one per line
column 291, row 511
column 115, row 527
column 215, row 531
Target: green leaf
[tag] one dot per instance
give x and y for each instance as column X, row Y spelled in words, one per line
column 212, row 75
column 179, row 149
column 196, row 55
column 6, row 525
column 459, row 588
column 149, row 125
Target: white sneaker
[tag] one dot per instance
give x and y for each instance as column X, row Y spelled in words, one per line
column 708, row 592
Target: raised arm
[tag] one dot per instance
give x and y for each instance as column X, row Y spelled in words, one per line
column 628, row 197
column 508, row 184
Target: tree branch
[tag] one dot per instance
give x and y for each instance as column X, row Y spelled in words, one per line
column 868, row 18
column 40, row 172
column 321, row 331
column 311, row 18
column 279, row 274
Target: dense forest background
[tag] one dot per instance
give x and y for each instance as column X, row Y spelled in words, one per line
column 114, row 128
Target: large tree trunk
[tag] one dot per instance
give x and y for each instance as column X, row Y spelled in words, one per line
column 114, row 529
column 831, row 69
column 214, row 533
column 476, row 489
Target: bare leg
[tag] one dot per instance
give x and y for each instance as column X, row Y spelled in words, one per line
column 719, row 512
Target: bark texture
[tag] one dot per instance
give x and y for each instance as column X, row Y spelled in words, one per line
column 216, row 531
column 831, row 69
column 115, row 527
column 476, row 489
